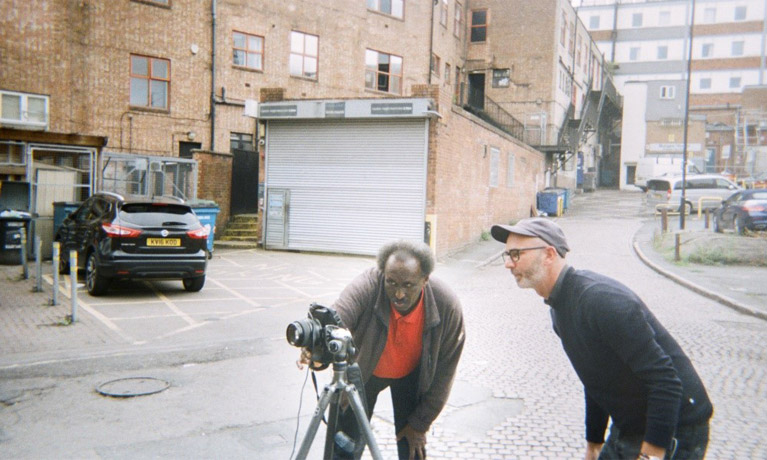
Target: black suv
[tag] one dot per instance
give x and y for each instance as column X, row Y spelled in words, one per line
column 117, row 238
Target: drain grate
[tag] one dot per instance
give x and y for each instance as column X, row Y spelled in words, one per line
column 132, row 386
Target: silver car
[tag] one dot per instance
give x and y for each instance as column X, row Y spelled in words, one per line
column 705, row 191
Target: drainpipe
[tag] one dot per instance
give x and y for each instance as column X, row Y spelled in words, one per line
column 213, row 79
column 764, row 37
column 431, row 41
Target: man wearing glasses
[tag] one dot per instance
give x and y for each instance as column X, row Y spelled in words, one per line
column 632, row 370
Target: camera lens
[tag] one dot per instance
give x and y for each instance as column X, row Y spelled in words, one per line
column 299, row 333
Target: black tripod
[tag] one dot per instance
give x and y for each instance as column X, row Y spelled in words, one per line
column 332, row 395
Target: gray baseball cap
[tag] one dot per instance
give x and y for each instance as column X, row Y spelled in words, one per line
column 537, row 227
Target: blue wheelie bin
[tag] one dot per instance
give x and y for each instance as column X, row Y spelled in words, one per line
column 206, row 211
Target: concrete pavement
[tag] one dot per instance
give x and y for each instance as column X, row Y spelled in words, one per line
column 492, row 390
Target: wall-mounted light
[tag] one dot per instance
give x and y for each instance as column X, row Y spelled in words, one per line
column 191, row 135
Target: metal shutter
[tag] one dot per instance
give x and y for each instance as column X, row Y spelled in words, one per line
column 353, row 184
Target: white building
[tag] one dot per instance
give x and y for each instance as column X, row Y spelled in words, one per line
column 649, row 40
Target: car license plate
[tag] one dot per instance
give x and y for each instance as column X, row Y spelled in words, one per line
column 163, row 242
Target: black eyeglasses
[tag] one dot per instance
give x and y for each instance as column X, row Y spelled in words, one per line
column 514, row 254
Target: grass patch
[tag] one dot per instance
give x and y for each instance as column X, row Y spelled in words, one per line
column 709, row 248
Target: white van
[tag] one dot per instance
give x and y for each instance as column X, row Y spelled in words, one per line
column 650, row 167
column 712, row 188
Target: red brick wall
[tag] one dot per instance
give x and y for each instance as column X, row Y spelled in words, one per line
column 458, row 183
column 214, row 181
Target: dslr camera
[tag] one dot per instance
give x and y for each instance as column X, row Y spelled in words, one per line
column 324, row 335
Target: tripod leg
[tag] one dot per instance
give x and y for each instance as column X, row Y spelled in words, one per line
column 330, row 433
column 362, row 421
column 328, row 393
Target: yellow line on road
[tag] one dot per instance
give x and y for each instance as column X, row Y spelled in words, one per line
column 173, row 307
column 65, row 290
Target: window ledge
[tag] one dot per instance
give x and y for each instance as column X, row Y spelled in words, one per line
column 138, row 108
column 247, row 69
column 299, row 77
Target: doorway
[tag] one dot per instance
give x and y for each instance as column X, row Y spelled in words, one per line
column 245, row 187
column 477, row 91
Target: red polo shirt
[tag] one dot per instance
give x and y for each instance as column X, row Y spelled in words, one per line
column 403, row 345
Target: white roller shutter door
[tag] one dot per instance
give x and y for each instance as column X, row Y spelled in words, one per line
column 353, row 184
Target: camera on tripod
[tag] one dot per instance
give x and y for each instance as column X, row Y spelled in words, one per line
column 324, row 335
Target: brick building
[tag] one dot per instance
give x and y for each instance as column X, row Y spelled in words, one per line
column 161, row 90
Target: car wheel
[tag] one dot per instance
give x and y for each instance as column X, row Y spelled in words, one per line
column 194, row 284
column 717, row 225
column 740, row 228
column 95, row 283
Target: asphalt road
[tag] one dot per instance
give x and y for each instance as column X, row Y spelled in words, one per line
column 234, row 390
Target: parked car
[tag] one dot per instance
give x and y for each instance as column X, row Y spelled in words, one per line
column 668, row 190
column 744, row 210
column 116, row 238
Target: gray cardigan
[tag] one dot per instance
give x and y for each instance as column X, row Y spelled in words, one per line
column 364, row 308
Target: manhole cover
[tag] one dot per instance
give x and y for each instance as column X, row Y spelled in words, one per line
column 132, row 386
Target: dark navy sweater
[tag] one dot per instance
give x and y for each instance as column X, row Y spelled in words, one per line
column 632, row 370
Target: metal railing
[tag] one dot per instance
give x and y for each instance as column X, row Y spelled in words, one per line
column 494, row 114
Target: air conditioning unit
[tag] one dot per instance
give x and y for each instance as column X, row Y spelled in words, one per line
column 155, row 166
column 24, row 111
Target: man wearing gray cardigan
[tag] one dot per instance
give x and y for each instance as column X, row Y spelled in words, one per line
column 409, row 330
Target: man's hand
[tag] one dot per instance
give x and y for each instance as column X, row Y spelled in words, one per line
column 652, row 450
column 593, row 450
column 415, row 440
column 304, row 359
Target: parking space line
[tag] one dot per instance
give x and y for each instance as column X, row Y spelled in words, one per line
column 191, row 321
column 64, row 289
column 235, row 293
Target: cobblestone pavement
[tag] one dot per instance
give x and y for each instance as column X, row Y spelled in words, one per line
column 515, row 395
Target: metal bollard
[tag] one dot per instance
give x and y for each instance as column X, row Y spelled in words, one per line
column 38, row 265
column 23, row 233
column 56, row 257
column 73, row 282
column 664, row 220
column 708, row 212
column 677, row 243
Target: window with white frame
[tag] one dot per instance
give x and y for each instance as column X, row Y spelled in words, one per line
column 664, row 18
column 458, row 20
column 735, row 82
column 149, row 82
column 593, row 22
column 707, row 50
column 705, row 83
column 383, row 72
column 248, row 50
column 443, row 12
column 709, row 15
column 636, row 20
column 634, row 53
column 740, row 13
column 667, row 92
column 435, row 64
column 737, row 48
column 501, row 78
column 304, row 54
column 495, row 159
column 663, row 52
column 23, row 109
column 510, row 171
column 394, row 8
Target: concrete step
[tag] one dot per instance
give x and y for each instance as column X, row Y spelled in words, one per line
column 236, row 244
column 252, row 232
column 238, row 238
